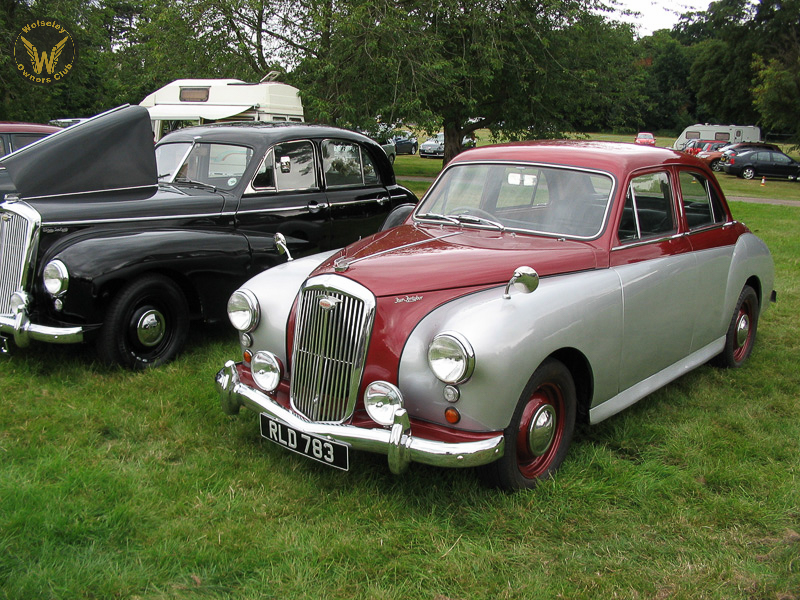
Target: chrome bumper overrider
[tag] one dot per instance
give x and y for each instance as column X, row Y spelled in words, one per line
column 396, row 442
column 23, row 331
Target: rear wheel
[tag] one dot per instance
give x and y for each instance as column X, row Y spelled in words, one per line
column 540, row 432
column 748, row 172
column 741, row 334
column 146, row 324
column 414, row 149
column 716, row 166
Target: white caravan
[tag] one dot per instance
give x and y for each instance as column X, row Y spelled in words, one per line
column 718, row 133
column 194, row 101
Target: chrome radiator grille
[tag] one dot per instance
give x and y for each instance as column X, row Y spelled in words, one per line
column 16, row 232
column 334, row 322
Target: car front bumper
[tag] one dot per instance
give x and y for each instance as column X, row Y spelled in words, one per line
column 22, row 330
column 396, row 442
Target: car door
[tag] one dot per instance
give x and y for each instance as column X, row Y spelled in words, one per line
column 358, row 199
column 285, row 196
column 781, row 165
column 657, row 274
column 712, row 237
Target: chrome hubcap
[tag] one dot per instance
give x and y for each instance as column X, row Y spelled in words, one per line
column 542, row 430
column 742, row 329
column 150, row 328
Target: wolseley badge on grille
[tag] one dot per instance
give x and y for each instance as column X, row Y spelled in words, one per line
column 327, row 303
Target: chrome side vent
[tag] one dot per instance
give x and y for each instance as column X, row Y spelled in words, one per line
column 332, row 330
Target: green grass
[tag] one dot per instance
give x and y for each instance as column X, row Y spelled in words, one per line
column 120, row 485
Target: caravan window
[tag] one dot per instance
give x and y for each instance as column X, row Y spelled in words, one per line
column 721, row 136
column 194, row 94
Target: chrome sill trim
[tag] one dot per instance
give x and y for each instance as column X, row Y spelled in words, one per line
column 647, row 242
column 400, row 447
column 638, row 391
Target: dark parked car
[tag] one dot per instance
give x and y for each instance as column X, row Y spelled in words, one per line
column 405, row 142
column 14, row 136
column 762, row 163
column 734, row 149
column 536, row 285
column 105, row 240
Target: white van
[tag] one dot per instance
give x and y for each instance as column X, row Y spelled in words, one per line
column 718, row 133
column 195, row 101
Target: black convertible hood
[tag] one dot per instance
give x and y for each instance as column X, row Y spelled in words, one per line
column 111, row 151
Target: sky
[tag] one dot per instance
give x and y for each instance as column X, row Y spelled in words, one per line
column 659, row 14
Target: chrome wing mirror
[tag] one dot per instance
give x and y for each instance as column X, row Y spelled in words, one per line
column 525, row 279
column 280, row 244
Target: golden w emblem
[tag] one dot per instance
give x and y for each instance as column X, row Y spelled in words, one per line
column 41, row 60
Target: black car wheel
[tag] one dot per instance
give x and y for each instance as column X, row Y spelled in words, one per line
column 414, row 149
column 540, row 432
column 146, row 324
column 748, row 172
column 741, row 334
column 716, row 166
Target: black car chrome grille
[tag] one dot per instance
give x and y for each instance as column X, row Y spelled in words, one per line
column 330, row 343
column 15, row 239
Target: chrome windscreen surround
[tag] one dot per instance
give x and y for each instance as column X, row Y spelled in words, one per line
column 19, row 237
column 334, row 322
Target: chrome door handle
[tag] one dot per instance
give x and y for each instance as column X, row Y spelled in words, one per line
column 315, row 207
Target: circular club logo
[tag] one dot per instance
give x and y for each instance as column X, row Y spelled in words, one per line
column 44, row 51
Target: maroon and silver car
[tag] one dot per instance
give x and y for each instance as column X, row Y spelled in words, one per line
column 536, row 285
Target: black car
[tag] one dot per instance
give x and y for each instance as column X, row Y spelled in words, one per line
column 102, row 239
column 762, row 163
column 405, row 142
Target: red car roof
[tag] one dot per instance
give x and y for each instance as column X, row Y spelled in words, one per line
column 15, row 127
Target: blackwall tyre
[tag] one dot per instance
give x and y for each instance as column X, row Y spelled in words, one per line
column 146, row 324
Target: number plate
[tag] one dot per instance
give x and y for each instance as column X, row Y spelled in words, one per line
column 328, row 452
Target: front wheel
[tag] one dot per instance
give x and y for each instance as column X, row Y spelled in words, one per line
column 540, row 432
column 741, row 335
column 146, row 324
column 748, row 172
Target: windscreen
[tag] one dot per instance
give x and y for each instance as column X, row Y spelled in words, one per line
column 525, row 197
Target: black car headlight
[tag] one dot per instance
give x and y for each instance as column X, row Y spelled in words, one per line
column 56, row 278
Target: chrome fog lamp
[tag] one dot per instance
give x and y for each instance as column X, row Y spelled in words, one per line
column 451, row 358
column 266, row 369
column 382, row 400
column 243, row 310
column 56, row 278
column 18, row 302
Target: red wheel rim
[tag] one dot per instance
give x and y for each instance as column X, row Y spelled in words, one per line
column 540, row 432
column 744, row 331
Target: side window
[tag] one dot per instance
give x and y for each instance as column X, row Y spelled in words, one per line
column 648, row 208
column 781, row 159
column 294, row 166
column 3, row 150
column 341, row 163
column 370, row 172
column 20, row 140
column 701, row 204
column 265, row 176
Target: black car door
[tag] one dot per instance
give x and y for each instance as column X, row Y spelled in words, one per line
column 285, row 197
column 781, row 165
column 359, row 202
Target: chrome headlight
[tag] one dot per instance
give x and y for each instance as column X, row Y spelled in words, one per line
column 266, row 369
column 451, row 358
column 382, row 400
column 56, row 278
column 243, row 310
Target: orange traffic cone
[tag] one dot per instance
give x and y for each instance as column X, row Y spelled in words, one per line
column 763, row 181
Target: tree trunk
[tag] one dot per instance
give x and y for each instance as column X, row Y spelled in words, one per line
column 452, row 141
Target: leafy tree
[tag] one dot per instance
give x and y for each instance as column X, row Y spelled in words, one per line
column 777, row 89
column 522, row 68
